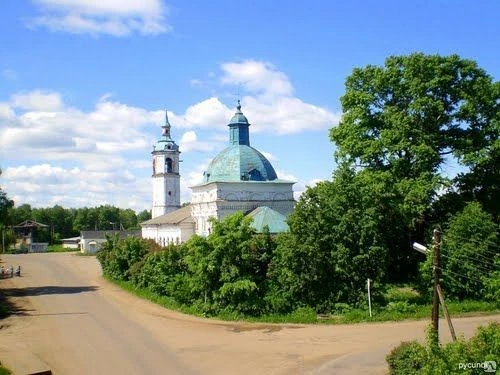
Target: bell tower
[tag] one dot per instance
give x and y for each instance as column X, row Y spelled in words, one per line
column 166, row 177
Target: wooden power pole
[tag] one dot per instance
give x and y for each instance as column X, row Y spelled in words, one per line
column 436, row 265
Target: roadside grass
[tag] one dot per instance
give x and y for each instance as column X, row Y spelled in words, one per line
column 4, row 370
column 306, row 315
column 80, row 254
column 58, row 248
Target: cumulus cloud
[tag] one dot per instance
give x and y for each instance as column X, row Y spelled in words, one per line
column 208, row 113
column 38, row 101
column 270, row 104
column 189, row 142
column 111, row 17
column 43, row 185
column 257, row 77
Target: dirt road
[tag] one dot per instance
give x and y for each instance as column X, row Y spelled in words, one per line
column 77, row 323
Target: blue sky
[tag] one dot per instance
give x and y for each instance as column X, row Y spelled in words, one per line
column 84, row 84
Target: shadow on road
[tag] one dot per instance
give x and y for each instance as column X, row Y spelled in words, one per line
column 10, row 307
column 41, row 290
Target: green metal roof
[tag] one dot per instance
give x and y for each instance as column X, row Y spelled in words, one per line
column 239, row 163
column 264, row 215
column 165, row 143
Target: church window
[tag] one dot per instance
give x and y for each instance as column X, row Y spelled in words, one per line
column 255, row 175
column 168, row 164
column 169, row 193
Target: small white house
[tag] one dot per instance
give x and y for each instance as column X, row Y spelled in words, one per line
column 90, row 241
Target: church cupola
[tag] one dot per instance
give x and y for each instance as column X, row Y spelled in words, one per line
column 165, row 142
column 238, row 128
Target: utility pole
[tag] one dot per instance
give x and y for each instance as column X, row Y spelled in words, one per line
column 369, row 298
column 436, row 244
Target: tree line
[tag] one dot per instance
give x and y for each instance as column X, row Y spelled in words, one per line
column 67, row 222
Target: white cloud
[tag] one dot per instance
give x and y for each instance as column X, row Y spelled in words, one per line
column 6, row 112
column 69, row 134
column 270, row 104
column 38, row 101
column 112, row 17
column 44, row 185
column 189, row 142
column 257, row 77
column 208, row 113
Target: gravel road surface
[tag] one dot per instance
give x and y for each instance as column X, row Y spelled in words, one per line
column 75, row 322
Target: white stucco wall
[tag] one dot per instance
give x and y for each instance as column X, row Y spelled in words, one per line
column 163, row 234
column 220, row 199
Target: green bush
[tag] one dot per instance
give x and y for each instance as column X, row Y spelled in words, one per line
column 406, row 359
column 414, row 358
column 401, row 307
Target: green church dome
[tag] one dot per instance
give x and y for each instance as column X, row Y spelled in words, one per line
column 239, row 161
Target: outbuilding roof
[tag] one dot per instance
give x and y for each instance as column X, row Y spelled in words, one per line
column 264, row 215
column 182, row 215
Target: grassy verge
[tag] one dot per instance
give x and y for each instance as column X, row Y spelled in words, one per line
column 308, row 315
column 59, row 249
column 4, row 370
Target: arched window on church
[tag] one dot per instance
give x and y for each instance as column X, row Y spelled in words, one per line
column 168, row 165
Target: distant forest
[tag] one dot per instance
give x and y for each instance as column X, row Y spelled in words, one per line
column 68, row 222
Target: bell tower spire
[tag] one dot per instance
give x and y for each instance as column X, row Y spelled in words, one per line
column 166, row 177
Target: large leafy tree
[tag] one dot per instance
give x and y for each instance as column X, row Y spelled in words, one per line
column 404, row 122
column 334, row 245
column 407, row 116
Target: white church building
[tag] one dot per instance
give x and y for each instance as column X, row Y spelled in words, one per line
column 239, row 178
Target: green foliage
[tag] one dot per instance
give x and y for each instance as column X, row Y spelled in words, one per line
column 4, row 370
column 406, row 359
column 332, row 248
column 429, row 359
column 118, row 256
column 399, row 123
column 225, row 272
column 470, row 257
column 64, row 222
column 231, row 266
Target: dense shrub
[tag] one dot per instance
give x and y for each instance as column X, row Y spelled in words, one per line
column 430, row 359
column 407, row 358
column 118, row 256
column 470, row 257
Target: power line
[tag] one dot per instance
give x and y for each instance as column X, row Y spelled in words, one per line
column 471, row 252
column 477, row 241
column 459, row 274
column 458, row 256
